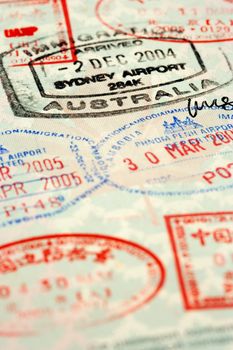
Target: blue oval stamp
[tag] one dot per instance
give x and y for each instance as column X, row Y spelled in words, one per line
column 44, row 173
column 169, row 154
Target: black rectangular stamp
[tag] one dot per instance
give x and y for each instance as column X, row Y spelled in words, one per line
column 110, row 77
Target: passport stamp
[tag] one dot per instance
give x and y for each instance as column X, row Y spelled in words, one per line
column 80, row 277
column 34, row 18
column 110, row 77
column 205, row 22
column 202, row 242
column 169, row 154
column 38, row 182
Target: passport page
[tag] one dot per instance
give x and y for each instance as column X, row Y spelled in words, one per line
column 116, row 169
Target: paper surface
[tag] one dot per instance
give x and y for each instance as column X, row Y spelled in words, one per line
column 116, row 175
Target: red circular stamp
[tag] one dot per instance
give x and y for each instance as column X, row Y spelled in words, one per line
column 83, row 279
column 177, row 21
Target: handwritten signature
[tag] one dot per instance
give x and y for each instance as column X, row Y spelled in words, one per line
column 194, row 107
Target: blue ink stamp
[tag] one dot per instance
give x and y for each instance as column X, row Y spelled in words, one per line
column 38, row 182
column 168, row 154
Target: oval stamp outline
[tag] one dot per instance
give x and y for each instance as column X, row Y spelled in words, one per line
column 150, row 192
column 170, row 39
column 72, row 141
column 114, row 242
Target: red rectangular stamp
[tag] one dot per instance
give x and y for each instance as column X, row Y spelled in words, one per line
column 24, row 21
column 202, row 246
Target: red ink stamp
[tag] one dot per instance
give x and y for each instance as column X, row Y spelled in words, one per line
column 86, row 279
column 202, row 247
column 32, row 20
column 147, row 19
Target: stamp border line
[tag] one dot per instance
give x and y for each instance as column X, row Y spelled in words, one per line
column 20, row 111
column 23, row 1
column 151, row 192
column 66, row 15
column 43, row 94
column 46, row 215
column 99, row 182
column 168, row 193
column 182, row 284
column 174, row 40
column 137, row 246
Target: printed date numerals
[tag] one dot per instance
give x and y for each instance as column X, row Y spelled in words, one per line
column 61, row 181
column 43, row 165
column 149, row 156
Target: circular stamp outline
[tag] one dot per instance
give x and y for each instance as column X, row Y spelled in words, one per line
column 150, row 192
column 96, row 236
column 72, row 141
column 173, row 40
